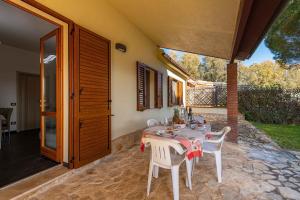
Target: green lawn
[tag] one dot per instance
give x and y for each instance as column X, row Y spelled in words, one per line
column 287, row 136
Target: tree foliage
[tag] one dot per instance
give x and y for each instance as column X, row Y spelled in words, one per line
column 283, row 39
column 264, row 74
column 191, row 62
column 213, row 69
column 268, row 74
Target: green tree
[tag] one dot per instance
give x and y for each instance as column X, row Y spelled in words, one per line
column 269, row 74
column 213, row 69
column 283, row 39
column 191, row 63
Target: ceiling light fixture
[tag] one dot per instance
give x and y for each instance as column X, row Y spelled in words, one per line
column 49, row 59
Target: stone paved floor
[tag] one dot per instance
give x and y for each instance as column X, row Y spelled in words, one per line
column 253, row 169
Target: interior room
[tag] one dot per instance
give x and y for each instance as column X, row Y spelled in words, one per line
column 25, row 39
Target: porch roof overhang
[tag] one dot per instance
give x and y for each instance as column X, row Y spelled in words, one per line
column 172, row 65
column 230, row 29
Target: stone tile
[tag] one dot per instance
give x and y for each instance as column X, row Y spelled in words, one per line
column 287, row 172
column 289, row 193
column 281, row 178
column 293, row 180
column 267, row 187
column 275, row 183
column 273, row 196
column 290, row 185
column 267, row 176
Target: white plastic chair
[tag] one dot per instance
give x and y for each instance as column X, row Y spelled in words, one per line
column 152, row 122
column 214, row 146
column 161, row 156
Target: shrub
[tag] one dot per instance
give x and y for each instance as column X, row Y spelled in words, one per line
column 270, row 104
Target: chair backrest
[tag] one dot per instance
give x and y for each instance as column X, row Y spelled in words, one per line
column 224, row 131
column 6, row 112
column 152, row 122
column 221, row 136
column 160, row 150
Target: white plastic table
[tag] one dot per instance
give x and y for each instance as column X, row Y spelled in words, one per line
column 1, row 118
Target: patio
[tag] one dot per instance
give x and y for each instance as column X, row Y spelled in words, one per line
column 255, row 168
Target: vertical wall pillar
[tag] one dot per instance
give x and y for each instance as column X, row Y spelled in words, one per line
column 232, row 101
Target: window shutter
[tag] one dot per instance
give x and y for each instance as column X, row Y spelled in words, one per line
column 147, row 88
column 141, row 86
column 158, row 90
column 170, row 101
column 180, row 93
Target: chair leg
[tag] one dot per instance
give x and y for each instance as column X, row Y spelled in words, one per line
column 219, row 165
column 189, row 168
column 149, row 178
column 175, row 181
column 155, row 171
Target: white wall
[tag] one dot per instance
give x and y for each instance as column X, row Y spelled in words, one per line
column 12, row 60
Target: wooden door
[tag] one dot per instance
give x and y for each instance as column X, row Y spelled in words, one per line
column 92, row 112
column 50, row 104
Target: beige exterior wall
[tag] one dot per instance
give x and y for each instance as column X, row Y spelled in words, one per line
column 99, row 17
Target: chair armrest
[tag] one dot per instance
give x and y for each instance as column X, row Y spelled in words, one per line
column 215, row 133
column 214, row 141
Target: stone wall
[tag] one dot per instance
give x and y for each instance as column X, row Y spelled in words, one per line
column 126, row 142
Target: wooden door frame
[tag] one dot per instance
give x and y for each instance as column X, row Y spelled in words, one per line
column 50, row 153
column 70, row 23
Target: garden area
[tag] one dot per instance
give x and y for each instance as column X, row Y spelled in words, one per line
column 275, row 111
column 286, row 136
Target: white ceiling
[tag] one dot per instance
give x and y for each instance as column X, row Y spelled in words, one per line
column 206, row 27
column 21, row 29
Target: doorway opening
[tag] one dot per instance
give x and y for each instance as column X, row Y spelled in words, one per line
column 30, row 94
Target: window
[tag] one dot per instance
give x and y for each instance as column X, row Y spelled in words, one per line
column 149, row 87
column 175, row 92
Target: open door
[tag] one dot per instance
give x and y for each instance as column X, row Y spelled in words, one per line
column 92, row 111
column 50, row 71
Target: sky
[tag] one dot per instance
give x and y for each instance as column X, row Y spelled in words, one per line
column 262, row 53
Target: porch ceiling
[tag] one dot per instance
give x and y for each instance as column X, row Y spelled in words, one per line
column 198, row 26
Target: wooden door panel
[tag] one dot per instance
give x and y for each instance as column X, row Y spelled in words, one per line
column 92, row 97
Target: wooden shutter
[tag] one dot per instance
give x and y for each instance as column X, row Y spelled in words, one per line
column 92, row 112
column 147, row 87
column 158, row 90
column 180, row 92
column 141, row 86
column 170, row 100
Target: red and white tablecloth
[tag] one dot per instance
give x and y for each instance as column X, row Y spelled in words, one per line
column 191, row 139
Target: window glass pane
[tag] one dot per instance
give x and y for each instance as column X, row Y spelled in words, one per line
column 49, row 84
column 50, row 132
column 174, row 93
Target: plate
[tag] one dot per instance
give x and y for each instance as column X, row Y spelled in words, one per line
column 180, row 125
column 160, row 132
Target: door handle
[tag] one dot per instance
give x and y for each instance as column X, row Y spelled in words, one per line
column 80, row 124
column 80, row 91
